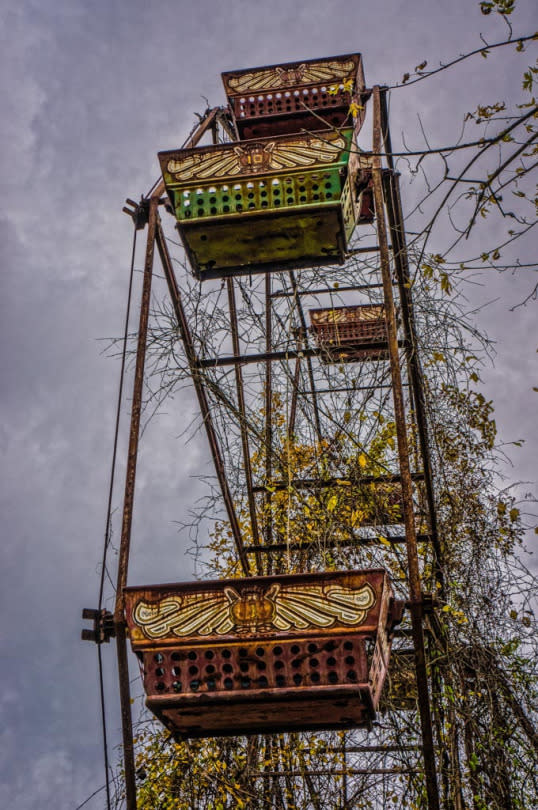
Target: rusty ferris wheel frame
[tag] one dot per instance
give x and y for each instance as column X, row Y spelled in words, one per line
column 394, row 267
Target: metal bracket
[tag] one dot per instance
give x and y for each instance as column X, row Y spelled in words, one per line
column 426, row 604
column 139, row 212
column 395, row 613
column 103, row 626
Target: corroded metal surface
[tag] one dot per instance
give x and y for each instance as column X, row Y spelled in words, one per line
column 415, row 587
column 347, row 333
column 266, row 653
column 295, row 96
column 291, row 200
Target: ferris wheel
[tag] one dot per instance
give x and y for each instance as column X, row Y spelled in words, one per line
column 293, row 321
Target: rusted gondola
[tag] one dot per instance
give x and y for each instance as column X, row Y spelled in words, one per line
column 350, row 334
column 290, row 191
column 264, row 654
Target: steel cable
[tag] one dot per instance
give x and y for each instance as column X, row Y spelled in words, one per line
column 108, row 526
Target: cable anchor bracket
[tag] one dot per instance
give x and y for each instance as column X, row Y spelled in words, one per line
column 103, row 626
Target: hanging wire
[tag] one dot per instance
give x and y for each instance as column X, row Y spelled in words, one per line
column 85, row 802
column 108, row 526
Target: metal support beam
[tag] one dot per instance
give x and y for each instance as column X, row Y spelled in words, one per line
column 268, row 442
column 330, row 772
column 326, row 290
column 294, row 396
column 288, row 354
column 323, row 483
column 315, row 544
column 308, row 358
column 128, row 503
column 243, row 422
column 401, row 263
column 405, row 470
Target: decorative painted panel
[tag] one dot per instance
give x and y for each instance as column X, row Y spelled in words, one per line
column 216, row 164
column 260, row 606
column 291, row 74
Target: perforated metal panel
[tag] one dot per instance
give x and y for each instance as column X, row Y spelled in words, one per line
column 262, row 665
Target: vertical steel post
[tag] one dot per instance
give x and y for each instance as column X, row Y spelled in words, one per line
column 242, row 423
column 415, row 591
column 128, row 502
column 401, row 263
column 268, row 417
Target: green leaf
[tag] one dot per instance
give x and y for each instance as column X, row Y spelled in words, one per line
column 446, row 286
column 527, row 80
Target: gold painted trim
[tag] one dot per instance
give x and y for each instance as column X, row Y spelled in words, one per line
column 274, row 78
column 256, row 158
column 299, row 607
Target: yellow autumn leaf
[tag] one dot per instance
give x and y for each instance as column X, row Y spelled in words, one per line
column 363, row 460
column 331, row 504
column 355, row 518
column 383, row 540
column 354, row 108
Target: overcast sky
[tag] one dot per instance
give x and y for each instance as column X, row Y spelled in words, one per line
column 91, row 92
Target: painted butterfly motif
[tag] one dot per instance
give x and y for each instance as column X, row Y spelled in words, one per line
column 256, row 157
column 254, row 610
column 273, row 78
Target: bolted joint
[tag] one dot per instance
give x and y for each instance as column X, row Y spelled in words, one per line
column 103, row 626
column 425, row 606
column 429, row 603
